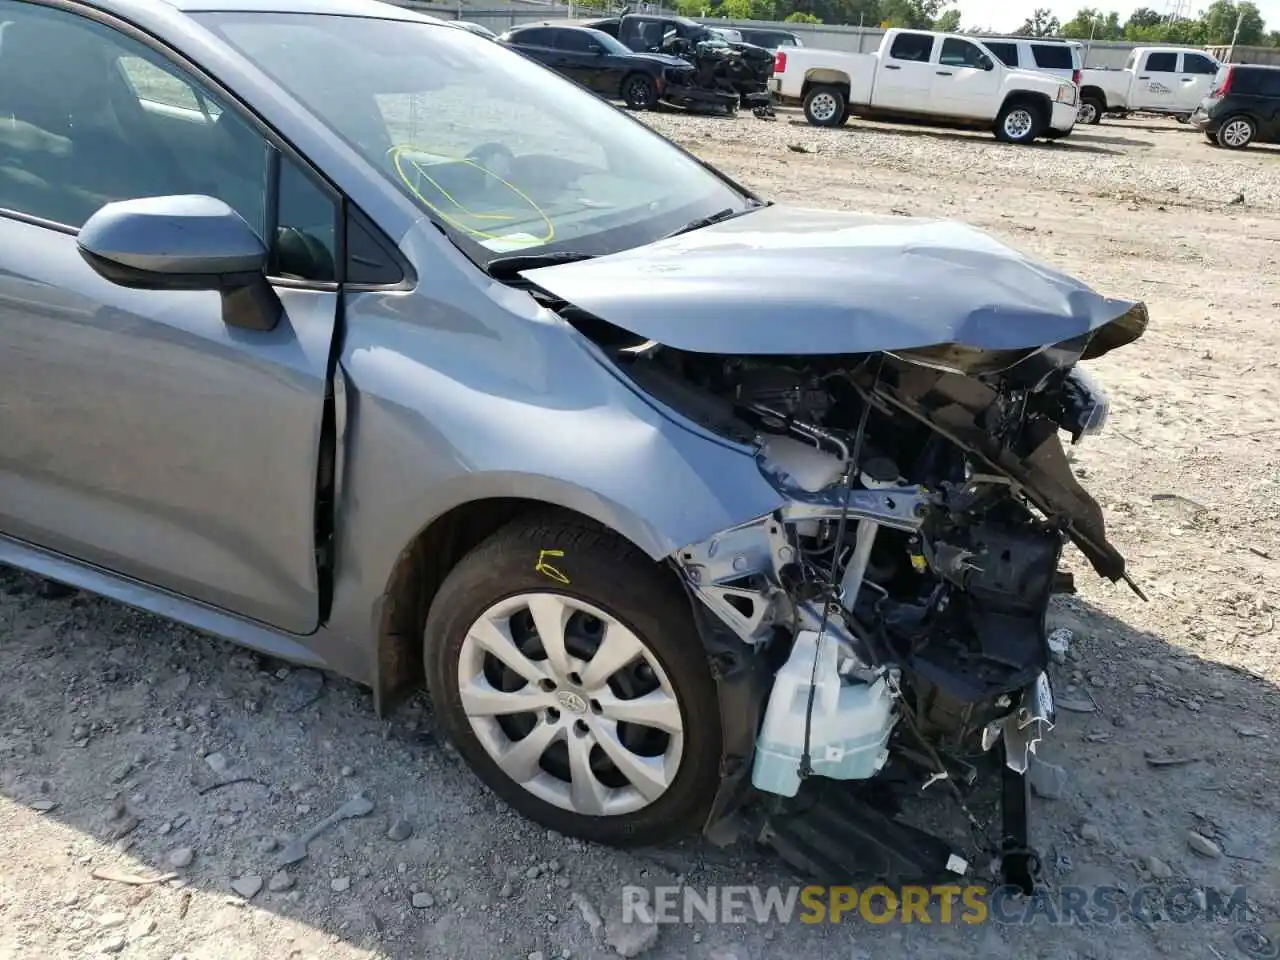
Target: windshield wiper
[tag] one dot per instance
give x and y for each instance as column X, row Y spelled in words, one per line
column 728, row 213
column 508, row 267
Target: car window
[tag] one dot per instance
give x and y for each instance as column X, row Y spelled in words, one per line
column 961, row 53
column 575, row 41
column 1052, row 56
column 431, row 110
column 534, row 37
column 912, row 46
column 1162, row 63
column 97, row 117
column 153, row 85
column 1255, row 81
column 1007, row 53
column 1195, row 63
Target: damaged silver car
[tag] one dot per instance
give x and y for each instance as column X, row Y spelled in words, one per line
column 682, row 503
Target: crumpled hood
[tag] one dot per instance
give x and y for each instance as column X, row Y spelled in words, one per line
column 786, row 280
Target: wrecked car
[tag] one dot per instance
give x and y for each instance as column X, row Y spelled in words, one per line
column 394, row 373
column 603, row 65
column 723, row 65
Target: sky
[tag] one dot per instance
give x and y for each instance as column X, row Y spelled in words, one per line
column 1010, row 14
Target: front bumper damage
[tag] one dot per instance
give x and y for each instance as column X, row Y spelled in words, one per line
column 832, row 830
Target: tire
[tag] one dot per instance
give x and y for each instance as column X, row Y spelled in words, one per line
column 639, row 92
column 1091, row 111
column 1236, row 133
column 826, row 106
column 595, row 586
column 1019, row 122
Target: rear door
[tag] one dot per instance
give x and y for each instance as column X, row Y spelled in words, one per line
column 905, row 76
column 141, row 433
column 1196, row 80
column 1157, row 83
column 965, row 81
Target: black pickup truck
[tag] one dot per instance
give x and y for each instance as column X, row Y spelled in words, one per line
column 742, row 68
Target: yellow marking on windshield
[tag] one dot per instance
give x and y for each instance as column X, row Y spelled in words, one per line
column 407, row 176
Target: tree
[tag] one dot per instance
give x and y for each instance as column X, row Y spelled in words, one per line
column 949, row 22
column 1142, row 18
column 799, row 17
column 1090, row 22
column 1220, row 23
column 1042, row 23
column 913, row 14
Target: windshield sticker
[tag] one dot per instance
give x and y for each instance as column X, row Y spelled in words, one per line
column 512, row 241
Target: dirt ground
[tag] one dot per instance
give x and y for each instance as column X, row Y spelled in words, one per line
column 113, row 724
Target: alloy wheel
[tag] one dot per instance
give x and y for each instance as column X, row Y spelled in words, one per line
column 823, row 107
column 1018, row 123
column 1237, row 133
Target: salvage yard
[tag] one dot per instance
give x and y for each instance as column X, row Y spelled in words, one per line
column 1166, row 763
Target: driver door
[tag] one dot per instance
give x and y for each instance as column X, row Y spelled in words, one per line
column 965, row 82
column 141, row 434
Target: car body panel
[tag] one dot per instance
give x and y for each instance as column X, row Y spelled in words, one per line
column 845, row 283
column 1254, row 93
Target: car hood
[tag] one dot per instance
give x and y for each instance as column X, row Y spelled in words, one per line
column 785, row 280
column 663, row 58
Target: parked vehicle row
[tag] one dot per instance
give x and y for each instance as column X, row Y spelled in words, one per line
column 935, row 76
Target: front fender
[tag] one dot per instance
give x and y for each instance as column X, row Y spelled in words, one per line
column 464, row 390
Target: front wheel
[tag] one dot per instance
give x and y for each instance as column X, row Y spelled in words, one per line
column 826, row 106
column 566, row 668
column 1018, row 123
column 639, row 92
column 1237, row 133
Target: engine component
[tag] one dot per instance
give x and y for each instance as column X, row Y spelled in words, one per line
column 850, row 727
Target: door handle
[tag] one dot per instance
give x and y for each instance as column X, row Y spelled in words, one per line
column 890, row 66
column 1144, row 78
column 944, row 73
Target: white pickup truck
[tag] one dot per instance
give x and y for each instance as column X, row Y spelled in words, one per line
column 1171, row 80
column 918, row 73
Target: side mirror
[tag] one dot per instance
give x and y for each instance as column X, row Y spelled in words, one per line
column 595, row 51
column 184, row 243
column 987, row 63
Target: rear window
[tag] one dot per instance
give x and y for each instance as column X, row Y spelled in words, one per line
column 532, row 37
column 912, row 46
column 1256, row 81
column 1007, row 53
column 1052, row 56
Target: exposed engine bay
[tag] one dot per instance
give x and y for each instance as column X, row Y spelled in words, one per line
column 739, row 70
column 900, row 594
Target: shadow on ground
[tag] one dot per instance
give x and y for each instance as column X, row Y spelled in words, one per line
column 1071, row 144
column 116, row 728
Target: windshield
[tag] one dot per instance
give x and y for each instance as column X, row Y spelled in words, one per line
column 501, row 153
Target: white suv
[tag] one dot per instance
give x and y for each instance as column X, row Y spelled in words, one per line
column 1062, row 58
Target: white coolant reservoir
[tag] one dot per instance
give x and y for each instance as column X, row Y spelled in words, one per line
column 850, row 729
